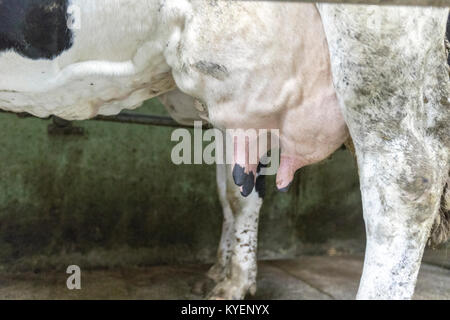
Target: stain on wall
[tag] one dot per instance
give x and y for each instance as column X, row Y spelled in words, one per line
column 112, row 197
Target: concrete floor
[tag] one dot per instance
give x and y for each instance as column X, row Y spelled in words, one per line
column 308, row 277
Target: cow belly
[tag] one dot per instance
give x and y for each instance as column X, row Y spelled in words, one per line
column 109, row 59
column 86, row 97
column 268, row 67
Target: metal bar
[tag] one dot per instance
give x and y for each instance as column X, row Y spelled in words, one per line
column 422, row 3
column 124, row 117
column 143, row 119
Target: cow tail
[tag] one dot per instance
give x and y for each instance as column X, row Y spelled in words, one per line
column 447, row 40
column 440, row 233
column 447, row 47
column 350, row 146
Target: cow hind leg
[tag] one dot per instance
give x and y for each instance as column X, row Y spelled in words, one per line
column 399, row 210
column 389, row 69
column 220, row 269
column 240, row 276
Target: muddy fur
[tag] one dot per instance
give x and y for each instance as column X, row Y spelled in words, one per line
column 440, row 233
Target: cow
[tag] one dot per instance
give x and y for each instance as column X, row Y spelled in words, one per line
column 185, row 110
column 391, row 80
column 309, row 70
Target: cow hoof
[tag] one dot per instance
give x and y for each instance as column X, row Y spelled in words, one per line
column 217, row 272
column 231, row 290
column 202, row 287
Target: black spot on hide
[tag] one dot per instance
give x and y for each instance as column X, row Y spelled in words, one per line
column 36, row 29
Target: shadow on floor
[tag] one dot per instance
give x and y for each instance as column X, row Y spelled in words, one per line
column 310, row 277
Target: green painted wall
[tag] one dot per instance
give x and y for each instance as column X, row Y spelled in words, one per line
column 112, row 197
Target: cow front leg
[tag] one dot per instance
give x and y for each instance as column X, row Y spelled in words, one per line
column 241, row 272
column 390, row 73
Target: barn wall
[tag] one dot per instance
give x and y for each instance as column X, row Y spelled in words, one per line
column 112, row 197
